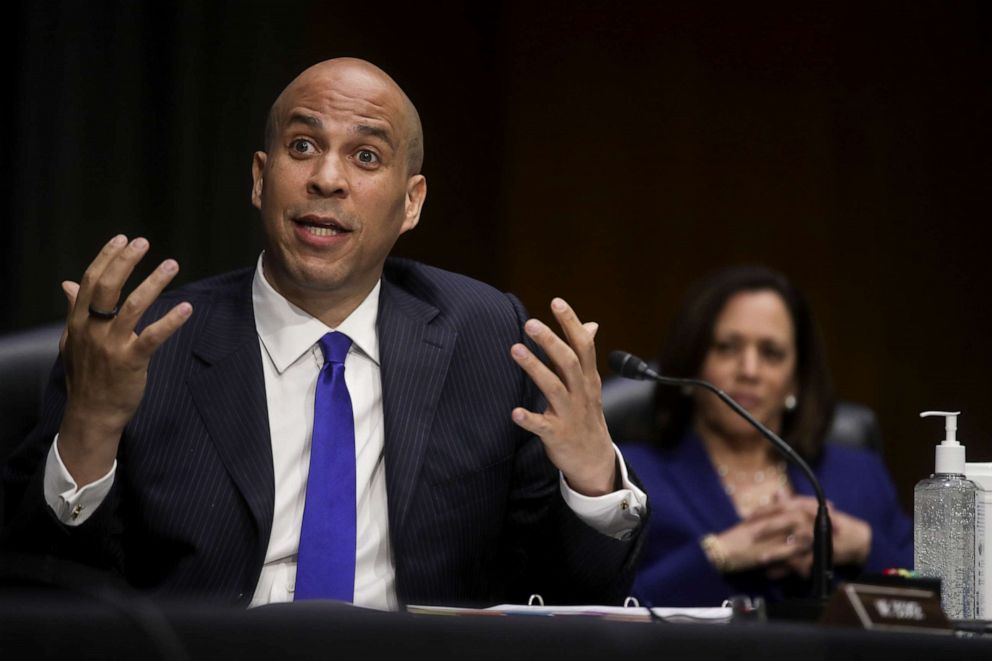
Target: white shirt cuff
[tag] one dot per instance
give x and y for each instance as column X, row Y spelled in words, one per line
column 71, row 504
column 616, row 514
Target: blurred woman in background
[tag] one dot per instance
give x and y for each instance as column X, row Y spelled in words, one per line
column 730, row 516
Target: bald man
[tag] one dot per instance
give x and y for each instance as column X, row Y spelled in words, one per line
column 180, row 428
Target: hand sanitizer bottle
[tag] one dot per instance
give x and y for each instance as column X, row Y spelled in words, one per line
column 944, row 525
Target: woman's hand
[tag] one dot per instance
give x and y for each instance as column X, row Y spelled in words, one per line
column 772, row 536
column 851, row 535
column 779, row 536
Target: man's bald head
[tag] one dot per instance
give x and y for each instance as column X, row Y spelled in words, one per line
column 377, row 83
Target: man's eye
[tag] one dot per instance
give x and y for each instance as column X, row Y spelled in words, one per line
column 301, row 146
column 367, row 157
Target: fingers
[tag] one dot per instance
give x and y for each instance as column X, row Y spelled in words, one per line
column 569, row 375
column 773, row 528
column 545, row 380
column 535, row 423
column 106, row 291
column 579, row 338
column 143, row 296
column 572, row 428
column 101, row 285
column 777, row 539
column 563, row 358
column 748, row 547
column 772, row 509
column 785, row 548
column 797, row 563
column 137, row 303
column 70, row 289
column 851, row 538
column 806, row 504
column 574, row 361
column 155, row 334
column 784, row 525
column 93, row 273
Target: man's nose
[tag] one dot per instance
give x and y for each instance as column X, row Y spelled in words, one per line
column 328, row 177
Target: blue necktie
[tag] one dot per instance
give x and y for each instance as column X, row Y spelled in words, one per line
column 326, row 562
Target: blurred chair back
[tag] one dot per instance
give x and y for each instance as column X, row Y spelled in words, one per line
column 26, row 359
column 629, row 409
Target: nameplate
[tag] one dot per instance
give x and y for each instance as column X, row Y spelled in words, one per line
column 887, row 608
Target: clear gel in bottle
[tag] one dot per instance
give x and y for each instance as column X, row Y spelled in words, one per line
column 944, row 525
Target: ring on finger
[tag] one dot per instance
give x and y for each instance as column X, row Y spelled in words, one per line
column 104, row 315
column 790, row 539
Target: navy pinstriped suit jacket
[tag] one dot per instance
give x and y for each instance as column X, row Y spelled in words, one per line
column 475, row 513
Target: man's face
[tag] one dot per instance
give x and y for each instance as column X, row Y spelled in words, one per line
column 333, row 188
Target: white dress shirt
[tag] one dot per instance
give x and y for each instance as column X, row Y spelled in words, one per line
column 291, row 360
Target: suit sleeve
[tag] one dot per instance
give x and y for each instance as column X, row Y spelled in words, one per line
column 30, row 525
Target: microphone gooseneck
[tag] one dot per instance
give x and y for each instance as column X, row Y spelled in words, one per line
column 630, row 366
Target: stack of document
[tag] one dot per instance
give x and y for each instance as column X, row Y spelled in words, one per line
column 617, row 613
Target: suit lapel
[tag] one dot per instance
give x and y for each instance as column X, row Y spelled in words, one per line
column 229, row 393
column 414, row 358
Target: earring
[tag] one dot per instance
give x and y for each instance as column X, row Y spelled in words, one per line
column 790, row 402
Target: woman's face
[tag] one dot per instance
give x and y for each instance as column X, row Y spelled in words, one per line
column 753, row 359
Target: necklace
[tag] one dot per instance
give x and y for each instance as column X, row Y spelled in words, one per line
column 750, row 489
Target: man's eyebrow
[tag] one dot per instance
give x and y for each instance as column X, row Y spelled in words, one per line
column 307, row 120
column 314, row 122
column 375, row 132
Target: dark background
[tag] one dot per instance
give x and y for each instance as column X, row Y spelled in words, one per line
column 607, row 152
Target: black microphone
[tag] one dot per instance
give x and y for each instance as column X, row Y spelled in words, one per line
column 630, row 366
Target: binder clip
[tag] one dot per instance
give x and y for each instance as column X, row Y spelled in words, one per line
column 745, row 610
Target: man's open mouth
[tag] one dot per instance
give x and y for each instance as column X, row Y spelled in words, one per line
column 321, row 226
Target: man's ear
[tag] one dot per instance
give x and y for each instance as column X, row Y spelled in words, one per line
column 257, row 167
column 416, row 193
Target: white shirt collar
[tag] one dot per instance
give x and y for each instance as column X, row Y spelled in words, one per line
column 287, row 332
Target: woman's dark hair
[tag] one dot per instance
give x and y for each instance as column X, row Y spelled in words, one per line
column 691, row 337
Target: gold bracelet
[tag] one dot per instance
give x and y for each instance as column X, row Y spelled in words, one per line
column 715, row 552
